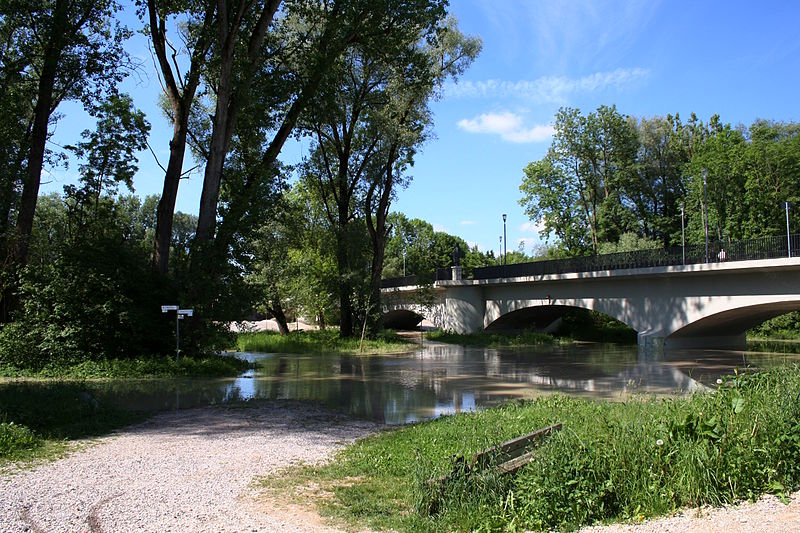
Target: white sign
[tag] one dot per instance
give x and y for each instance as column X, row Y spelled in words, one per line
column 187, row 312
column 165, row 308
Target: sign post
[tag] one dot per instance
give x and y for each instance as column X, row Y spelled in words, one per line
column 180, row 314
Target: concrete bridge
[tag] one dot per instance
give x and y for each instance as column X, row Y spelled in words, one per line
column 707, row 305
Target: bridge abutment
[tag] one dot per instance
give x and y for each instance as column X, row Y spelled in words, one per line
column 464, row 309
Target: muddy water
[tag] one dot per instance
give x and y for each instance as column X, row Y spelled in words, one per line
column 441, row 379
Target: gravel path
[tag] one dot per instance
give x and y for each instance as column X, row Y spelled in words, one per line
column 188, row 470
column 767, row 515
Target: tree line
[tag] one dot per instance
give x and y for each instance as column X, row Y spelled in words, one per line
column 83, row 273
column 610, row 179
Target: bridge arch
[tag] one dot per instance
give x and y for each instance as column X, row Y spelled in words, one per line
column 402, row 319
column 734, row 322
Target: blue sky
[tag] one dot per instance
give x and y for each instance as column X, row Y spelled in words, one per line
column 739, row 59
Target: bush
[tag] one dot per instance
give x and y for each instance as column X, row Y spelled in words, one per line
column 93, row 302
column 15, row 440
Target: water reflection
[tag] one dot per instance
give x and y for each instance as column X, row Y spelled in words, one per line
column 442, row 379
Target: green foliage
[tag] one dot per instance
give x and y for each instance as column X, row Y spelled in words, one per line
column 91, row 302
column 88, row 292
column 628, row 242
column 585, row 325
column 16, row 441
column 612, row 461
column 607, row 175
column 490, row 339
column 320, row 342
column 782, row 327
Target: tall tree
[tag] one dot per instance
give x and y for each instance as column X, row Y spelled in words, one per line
column 77, row 53
column 350, row 117
column 401, row 129
column 196, row 33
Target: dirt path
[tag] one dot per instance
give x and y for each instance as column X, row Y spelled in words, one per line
column 186, row 470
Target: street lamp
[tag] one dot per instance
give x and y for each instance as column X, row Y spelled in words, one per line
column 404, row 262
column 705, row 208
column 500, row 252
column 788, row 235
column 180, row 314
column 505, row 242
column 683, row 233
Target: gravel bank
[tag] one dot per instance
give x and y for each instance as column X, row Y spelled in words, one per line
column 185, row 470
column 767, row 515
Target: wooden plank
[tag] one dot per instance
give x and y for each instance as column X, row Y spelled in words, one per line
column 505, row 458
column 511, row 449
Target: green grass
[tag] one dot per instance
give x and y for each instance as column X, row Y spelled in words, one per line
column 320, row 342
column 493, row 339
column 611, row 462
column 208, row 366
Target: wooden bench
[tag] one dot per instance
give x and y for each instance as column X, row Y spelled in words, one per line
column 504, row 458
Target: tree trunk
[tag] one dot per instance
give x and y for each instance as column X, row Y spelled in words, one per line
column 169, row 195
column 228, row 104
column 181, row 100
column 345, row 286
column 41, row 118
column 276, row 309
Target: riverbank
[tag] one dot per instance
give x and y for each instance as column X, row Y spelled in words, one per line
column 318, row 342
column 188, row 470
column 142, row 367
column 612, row 461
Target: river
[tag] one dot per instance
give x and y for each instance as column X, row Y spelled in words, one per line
column 439, row 379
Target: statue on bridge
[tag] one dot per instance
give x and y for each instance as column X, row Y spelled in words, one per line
column 457, row 255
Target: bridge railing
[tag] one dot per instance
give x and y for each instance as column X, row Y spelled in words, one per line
column 406, row 281
column 746, row 250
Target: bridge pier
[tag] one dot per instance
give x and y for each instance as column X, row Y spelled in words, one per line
column 655, row 345
column 464, row 309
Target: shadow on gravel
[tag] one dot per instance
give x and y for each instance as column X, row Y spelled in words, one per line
column 284, row 416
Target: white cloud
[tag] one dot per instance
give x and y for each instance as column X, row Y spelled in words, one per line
column 547, row 89
column 440, row 228
column 532, row 227
column 508, row 125
column 467, row 222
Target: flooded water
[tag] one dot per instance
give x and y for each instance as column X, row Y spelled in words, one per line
column 442, row 379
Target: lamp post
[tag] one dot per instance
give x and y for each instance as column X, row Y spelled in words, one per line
column 505, row 241
column 404, row 262
column 788, row 235
column 705, row 208
column 683, row 233
column 500, row 252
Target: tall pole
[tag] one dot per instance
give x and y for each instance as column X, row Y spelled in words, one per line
column 705, row 208
column 683, row 233
column 404, row 262
column 788, row 235
column 500, row 253
column 178, row 339
column 505, row 242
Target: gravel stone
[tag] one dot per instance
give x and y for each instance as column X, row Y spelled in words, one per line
column 767, row 515
column 189, row 470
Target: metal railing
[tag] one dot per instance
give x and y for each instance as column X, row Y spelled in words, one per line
column 692, row 254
